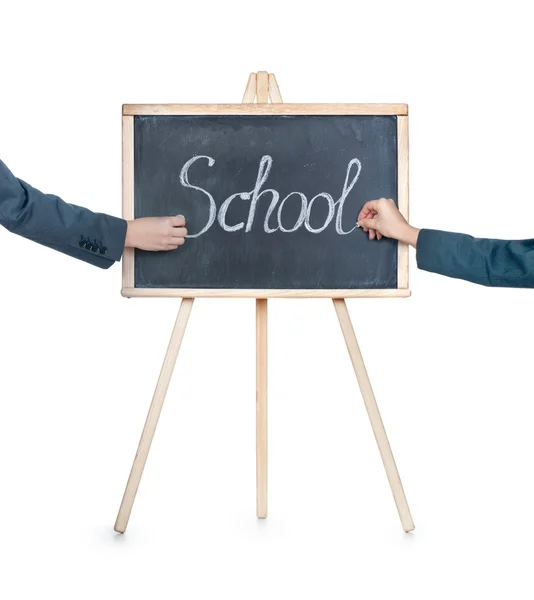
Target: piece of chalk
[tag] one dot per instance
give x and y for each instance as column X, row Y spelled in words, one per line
column 358, row 225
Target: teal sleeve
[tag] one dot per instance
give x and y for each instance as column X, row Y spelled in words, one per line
column 95, row 238
column 496, row 263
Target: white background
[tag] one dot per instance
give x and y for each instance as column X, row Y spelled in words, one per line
column 451, row 366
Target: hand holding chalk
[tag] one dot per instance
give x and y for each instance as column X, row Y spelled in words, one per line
column 382, row 218
column 156, row 233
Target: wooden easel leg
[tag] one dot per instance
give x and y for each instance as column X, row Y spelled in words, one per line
column 374, row 414
column 261, row 409
column 153, row 415
column 250, row 91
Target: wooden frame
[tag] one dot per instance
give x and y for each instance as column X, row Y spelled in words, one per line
column 402, row 198
column 128, row 277
column 129, row 112
column 264, row 108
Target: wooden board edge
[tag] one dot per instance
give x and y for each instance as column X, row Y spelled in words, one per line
column 403, row 193
column 265, row 108
column 400, row 110
column 131, row 292
column 128, row 195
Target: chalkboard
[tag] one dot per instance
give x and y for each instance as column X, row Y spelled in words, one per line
column 270, row 201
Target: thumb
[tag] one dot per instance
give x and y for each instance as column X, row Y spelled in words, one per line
column 368, row 223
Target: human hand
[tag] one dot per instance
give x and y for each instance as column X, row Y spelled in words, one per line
column 156, row 233
column 382, row 218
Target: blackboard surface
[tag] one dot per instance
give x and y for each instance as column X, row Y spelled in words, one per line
column 191, row 165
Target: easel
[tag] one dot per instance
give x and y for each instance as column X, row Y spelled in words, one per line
column 261, row 87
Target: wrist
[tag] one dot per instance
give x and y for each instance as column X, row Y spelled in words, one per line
column 129, row 241
column 410, row 235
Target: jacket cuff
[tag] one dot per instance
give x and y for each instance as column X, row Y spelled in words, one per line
column 427, row 255
column 117, row 237
column 104, row 237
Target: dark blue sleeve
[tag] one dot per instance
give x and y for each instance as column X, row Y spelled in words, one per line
column 496, row 263
column 44, row 218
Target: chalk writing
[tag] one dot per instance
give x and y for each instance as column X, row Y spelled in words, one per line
column 257, row 192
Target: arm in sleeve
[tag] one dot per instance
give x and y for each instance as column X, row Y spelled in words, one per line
column 95, row 238
column 496, row 263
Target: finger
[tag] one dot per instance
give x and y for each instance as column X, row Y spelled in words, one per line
column 178, row 221
column 367, row 208
column 372, row 234
column 378, row 235
column 179, row 232
column 370, row 215
column 365, row 214
column 368, row 224
column 174, row 241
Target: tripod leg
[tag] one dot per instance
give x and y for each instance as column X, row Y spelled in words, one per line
column 261, row 408
column 153, row 415
column 374, row 414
